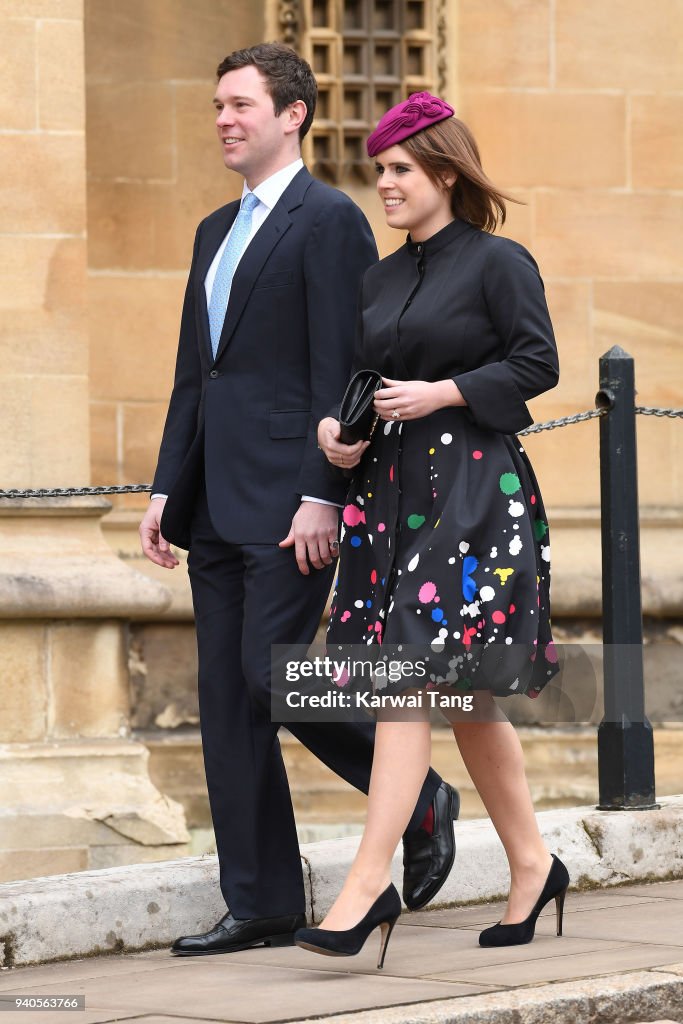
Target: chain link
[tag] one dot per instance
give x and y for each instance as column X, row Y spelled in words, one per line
column 564, row 421
column 73, row 492
column 650, row 410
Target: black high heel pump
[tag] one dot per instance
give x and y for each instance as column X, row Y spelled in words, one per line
column 556, row 885
column 384, row 913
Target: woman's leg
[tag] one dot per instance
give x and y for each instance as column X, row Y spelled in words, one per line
column 493, row 756
column 400, row 763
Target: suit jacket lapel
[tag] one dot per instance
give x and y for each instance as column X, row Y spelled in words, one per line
column 257, row 252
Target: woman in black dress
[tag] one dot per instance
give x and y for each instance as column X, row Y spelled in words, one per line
column 445, row 540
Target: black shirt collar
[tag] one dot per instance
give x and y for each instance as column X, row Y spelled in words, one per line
column 438, row 241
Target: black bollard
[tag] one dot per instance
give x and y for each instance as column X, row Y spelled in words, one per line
column 626, row 761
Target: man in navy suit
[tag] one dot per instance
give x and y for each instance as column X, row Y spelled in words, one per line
column 265, row 349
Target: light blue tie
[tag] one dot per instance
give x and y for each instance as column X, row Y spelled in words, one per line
column 225, row 272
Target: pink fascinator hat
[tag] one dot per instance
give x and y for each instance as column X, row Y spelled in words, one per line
column 407, row 118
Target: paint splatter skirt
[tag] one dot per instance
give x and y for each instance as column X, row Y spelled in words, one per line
column 445, row 545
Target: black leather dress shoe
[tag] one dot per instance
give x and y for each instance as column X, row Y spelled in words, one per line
column 231, row 935
column 428, row 859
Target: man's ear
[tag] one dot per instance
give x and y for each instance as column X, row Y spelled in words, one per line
column 295, row 116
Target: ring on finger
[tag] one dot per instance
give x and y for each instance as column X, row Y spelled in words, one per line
column 395, row 414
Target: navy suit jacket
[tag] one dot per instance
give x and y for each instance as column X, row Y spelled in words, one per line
column 249, row 418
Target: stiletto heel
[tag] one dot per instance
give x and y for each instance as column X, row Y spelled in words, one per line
column 559, row 909
column 556, row 885
column 386, row 930
column 383, row 914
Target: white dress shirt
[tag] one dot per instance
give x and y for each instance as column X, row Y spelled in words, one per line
column 268, row 193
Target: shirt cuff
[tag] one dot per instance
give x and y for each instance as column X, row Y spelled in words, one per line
column 158, row 496
column 318, row 501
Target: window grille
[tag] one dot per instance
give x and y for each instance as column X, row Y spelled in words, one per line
column 367, row 55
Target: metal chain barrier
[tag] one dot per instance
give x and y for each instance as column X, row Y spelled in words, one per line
column 651, row 410
column 564, row 421
column 73, row 492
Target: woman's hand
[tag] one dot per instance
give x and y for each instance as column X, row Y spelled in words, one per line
column 345, row 456
column 413, row 399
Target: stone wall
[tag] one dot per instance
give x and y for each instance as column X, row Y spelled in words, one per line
column 75, row 787
column 43, row 340
column 577, row 108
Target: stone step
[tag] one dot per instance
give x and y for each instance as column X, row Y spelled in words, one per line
column 562, row 768
column 72, row 805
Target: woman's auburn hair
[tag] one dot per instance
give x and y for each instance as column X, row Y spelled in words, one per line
column 448, row 147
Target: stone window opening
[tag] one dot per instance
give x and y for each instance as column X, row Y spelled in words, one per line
column 367, row 55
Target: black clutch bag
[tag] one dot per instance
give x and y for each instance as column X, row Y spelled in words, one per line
column 357, row 417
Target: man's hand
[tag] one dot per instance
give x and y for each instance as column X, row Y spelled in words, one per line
column 154, row 546
column 413, row 399
column 345, row 456
column 313, row 533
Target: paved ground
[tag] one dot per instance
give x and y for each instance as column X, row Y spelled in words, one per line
column 433, row 961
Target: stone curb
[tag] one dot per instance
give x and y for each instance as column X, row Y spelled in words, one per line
column 633, row 996
column 599, row 847
column 146, row 905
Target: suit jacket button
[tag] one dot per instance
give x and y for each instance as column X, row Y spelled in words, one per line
column 213, row 374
